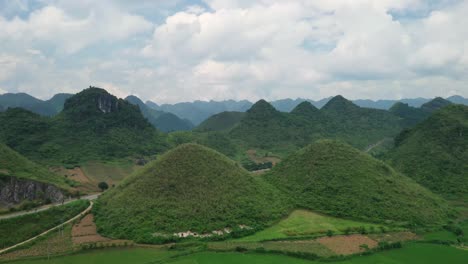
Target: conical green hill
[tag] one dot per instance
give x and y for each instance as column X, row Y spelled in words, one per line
column 334, row 178
column 189, row 188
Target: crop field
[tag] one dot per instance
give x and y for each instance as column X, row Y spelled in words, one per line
column 302, row 223
column 58, row 242
column 442, row 235
column 110, row 172
column 413, row 253
column 310, row 246
column 114, row 256
column 18, row 229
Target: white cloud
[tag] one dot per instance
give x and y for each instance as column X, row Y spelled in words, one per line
column 239, row 49
column 52, row 25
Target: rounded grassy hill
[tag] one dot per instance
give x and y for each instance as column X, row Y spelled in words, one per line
column 337, row 179
column 189, row 188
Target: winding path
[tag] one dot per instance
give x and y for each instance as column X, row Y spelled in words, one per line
column 90, row 197
column 87, row 210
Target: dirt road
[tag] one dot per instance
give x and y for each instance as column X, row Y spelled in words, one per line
column 90, row 197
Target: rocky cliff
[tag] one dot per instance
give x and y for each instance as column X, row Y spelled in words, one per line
column 14, row 191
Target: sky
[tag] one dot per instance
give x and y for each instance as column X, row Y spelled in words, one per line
column 186, row 50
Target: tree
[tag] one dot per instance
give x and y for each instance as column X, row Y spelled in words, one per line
column 103, row 186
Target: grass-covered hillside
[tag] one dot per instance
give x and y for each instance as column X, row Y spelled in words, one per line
column 93, row 125
column 15, row 165
column 220, row 122
column 189, row 188
column 359, row 127
column 435, row 152
column 337, row 179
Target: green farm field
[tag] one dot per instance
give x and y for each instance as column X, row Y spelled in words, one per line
column 302, row 223
column 110, row 172
column 413, row 253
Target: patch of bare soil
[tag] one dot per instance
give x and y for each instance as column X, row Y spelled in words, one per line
column 85, row 232
column 346, row 245
column 394, row 237
column 77, row 174
column 252, row 154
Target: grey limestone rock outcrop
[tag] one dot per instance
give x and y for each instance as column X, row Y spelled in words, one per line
column 14, row 191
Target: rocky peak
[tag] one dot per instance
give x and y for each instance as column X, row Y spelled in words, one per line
column 92, row 100
column 107, row 103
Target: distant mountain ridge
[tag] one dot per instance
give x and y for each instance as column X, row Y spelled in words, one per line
column 198, row 111
column 163, row 121
column 46, row 108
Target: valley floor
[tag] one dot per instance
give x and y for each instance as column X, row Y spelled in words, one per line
column 413, row 253
column 302, row 237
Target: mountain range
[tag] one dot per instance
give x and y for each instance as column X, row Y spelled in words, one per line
column 193, row 113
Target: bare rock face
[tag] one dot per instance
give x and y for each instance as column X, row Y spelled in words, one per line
column 107, row 103
column 14, row 191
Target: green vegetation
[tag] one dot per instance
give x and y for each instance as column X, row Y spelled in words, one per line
column 266, row 128
column 103, row 186
column 93, row 125
column 302, row 223
column 15, row 165
column 435, row 104
column 336, row 179
column 435, row 152
column 410, row 116
column 216, row 140
column 221, row 121
column 26, row 101
column 442, row 235
column 109, row 171
column 189, row 188
column 21, row 228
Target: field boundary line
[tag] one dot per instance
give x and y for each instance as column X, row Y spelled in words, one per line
column 87, row 210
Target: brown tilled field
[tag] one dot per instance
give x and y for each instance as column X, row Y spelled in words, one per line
column 345, row 245
column 87, row 184
column 85, row 232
